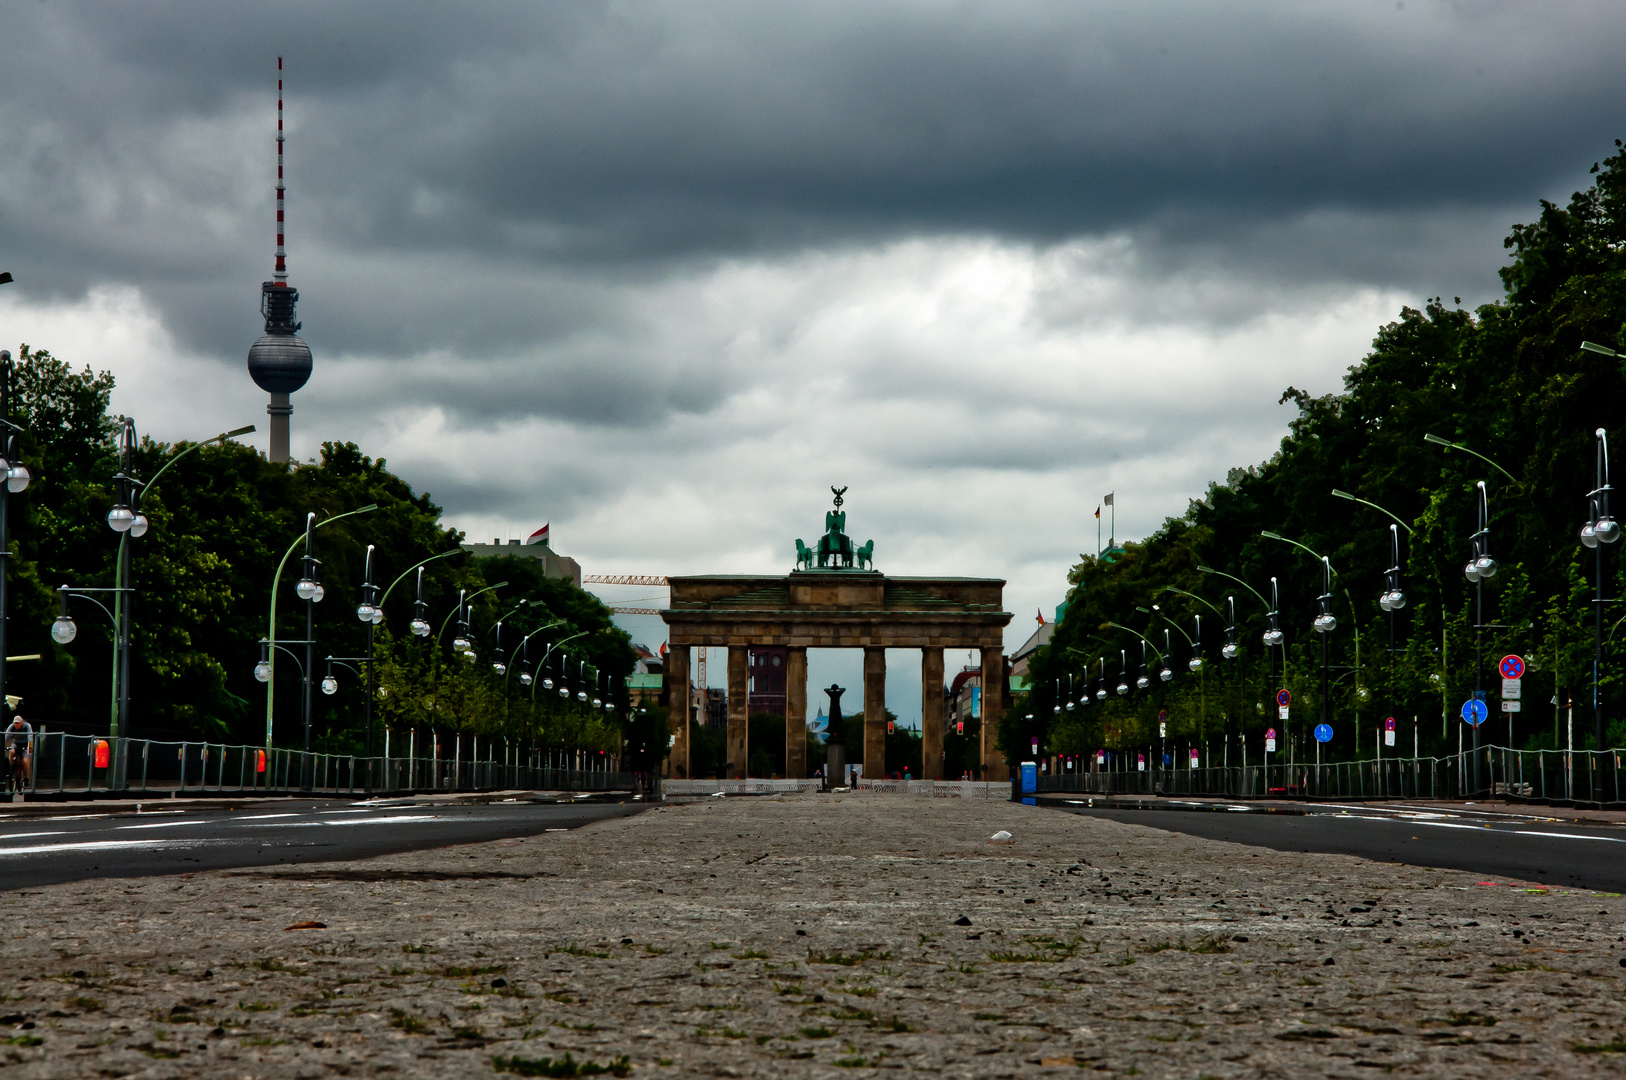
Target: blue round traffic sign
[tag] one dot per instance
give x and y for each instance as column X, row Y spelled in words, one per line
column 1323, row 733
column 1474, row 711
column 1511, row 667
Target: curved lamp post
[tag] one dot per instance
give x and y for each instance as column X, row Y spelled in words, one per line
column 129, row 522
column 1449, row 445
column 1375, row 506
column 1123, row 687
column 1599, row 530
column 418, row 566
column 1392, row 600
column 1325, row 622
column 461, row 643
column 269, row 660
column 16, row 479
column 1480, row 569
column 546, row 682
column 1229, row 650
column 311, row 591
column 523, row 650
column 265, row 671
column 371, row 612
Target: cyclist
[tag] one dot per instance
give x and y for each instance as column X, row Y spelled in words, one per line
column 19, row 746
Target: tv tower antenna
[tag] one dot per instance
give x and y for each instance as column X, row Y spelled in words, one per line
column 279, row 362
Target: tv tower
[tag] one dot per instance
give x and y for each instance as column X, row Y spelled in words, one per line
column 279, row 362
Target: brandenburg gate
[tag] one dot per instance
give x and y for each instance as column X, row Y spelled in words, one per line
column 836, row 605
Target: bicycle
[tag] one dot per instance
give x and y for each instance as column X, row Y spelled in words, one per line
column 14, row 782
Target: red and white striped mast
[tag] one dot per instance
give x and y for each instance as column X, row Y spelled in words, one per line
column 279, row 361
column 280, row 274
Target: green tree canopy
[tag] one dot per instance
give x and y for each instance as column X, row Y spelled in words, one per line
column 1508, row 381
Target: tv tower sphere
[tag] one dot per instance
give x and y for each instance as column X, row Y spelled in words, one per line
column 279, row 363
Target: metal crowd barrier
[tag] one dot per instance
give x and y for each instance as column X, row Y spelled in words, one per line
column 86, row 764
column 1546, row 777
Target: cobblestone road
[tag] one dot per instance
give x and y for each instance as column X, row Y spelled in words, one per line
column 818, row 936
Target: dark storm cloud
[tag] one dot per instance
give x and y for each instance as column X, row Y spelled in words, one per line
column 615, row 132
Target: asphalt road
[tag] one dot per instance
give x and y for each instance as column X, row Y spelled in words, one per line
column 1521, row 848
column 43, row 850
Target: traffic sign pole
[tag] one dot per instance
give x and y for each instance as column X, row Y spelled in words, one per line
column 1512, row 669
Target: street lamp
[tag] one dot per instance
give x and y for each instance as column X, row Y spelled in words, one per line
column 371, row 613
column 308, row 570
column 1480, row 568
column 1229, row 650
column 309, row 590
column 460, row 641
column 1196, row 661
column 1273, row 635
column 1480, row 564
column 420, row 624
column 63, row 629
column 1601, row 529
column 1393, row 598
column 1449, row 445
column 1325, row 622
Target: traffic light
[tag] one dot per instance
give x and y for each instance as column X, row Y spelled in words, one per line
column 889, row 727
column 959, row 727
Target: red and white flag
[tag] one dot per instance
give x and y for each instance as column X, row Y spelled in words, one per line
column 540, row 536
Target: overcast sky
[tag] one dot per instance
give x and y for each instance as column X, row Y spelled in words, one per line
column 662, row 273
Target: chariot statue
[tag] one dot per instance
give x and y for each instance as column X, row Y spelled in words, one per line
column 835, row 549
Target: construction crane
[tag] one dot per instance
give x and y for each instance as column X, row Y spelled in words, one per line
column 656, row 580
column 659, row 581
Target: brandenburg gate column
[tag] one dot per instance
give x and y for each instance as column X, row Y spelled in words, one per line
column 796, row 713
column 994, row 766
column 874, row 711
column 739, row 711
column 931, row 714
column 677, row 709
